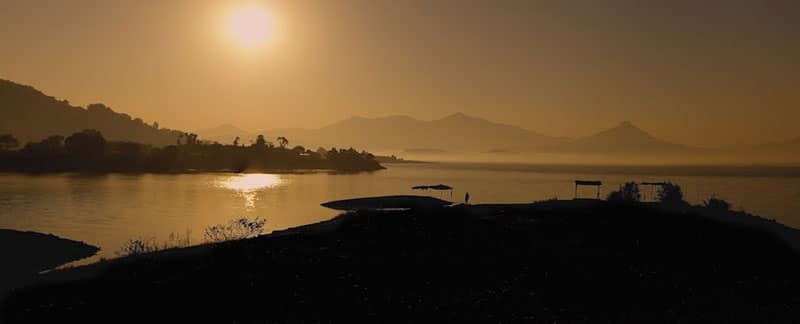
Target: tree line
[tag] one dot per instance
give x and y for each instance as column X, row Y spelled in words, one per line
column 88, row 150
column 669, row 194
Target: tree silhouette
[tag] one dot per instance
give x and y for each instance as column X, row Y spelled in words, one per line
column 717, row 204
column 261, row 142
column 191, row 138
column 8, row 142
column 671, row 194
column 88, row 143
column 53, row 143
column 282, row 141
column 50, row 146
column 89, row 151
column 629, row 192
column 236, row 141
column 322, row 152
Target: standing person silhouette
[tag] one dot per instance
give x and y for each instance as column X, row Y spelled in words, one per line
column 466, row 198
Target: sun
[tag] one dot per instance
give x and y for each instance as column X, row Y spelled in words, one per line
column 250, row 26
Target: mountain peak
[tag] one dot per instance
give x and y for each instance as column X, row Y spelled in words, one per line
column 625, row 138
column 458, row 115
column 461, row 117
column 625, row 131
column 627, row 126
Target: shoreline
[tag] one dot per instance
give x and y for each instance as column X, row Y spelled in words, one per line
column 275, row 171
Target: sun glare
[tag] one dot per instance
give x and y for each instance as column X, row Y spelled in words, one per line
column 248, row 186
column 250, row 25
column 251, row 182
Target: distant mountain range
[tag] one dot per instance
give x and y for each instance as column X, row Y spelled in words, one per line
column 457, row 132
column 787, row 151
column 461, row 133
column 30, row 115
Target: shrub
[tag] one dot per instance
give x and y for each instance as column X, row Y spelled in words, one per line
column 717, row 204
column 86, row 144
column 176, row 240
column 137, row 246
column 8, row 142
column 671, row 194
column 235, row 229
column 142, row 245
column 629, row 192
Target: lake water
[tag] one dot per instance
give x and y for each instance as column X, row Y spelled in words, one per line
column 107, row 210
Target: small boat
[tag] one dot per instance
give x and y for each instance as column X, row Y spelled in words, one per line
column 386, row 202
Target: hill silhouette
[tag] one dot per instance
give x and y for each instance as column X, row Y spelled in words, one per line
column 226, row 134
column 463, row 133
column 625, row 138
column 460, row 136
column 31, row 116
column 783, row 151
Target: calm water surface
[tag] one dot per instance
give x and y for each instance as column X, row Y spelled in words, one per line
column 107, row 210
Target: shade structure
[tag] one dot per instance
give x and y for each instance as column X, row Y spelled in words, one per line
column 440, row 187
column 433, row 187
column 594, row 183
column 653, row 186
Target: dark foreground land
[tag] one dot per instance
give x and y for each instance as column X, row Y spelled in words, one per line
column 561, row 261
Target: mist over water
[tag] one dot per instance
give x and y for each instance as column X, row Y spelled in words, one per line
column 107, row 210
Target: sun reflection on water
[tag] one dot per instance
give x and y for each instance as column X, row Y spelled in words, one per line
column 248, row 185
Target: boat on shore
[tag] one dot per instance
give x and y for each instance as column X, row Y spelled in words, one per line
column 387, row 203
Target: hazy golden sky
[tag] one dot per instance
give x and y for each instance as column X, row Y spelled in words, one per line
column 696, row 72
